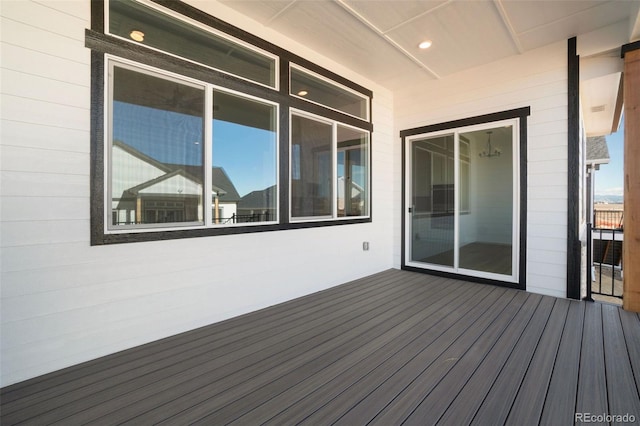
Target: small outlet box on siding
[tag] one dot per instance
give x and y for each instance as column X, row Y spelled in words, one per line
column 365, row 245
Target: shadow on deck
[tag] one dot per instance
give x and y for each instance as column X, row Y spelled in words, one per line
column 390, row 348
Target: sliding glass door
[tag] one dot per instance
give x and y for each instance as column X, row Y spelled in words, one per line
column 462, row 195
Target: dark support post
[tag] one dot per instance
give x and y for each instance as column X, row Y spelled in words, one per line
column 573, row 182
column 589, row 263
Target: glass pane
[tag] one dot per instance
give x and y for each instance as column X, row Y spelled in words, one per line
column 244, row 174
column 311, row 177
column 135, row 21
column 156, row 152
column 486, row 232
column 330, row 95
column 432, row 226
column 353, row 172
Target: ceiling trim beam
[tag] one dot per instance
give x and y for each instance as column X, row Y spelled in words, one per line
column 280, row 12
column 418, row 16
column 507, row 23
column 389, row 40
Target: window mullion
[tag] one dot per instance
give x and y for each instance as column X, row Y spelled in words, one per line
column 334, row 174
column 456, row 200
column 208, row 149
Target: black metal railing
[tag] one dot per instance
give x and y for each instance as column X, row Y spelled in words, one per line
column 247, row 218
column 604, row 261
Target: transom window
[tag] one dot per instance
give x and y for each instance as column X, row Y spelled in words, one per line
column 155, row 27
column 182, row 150
column 314, row 88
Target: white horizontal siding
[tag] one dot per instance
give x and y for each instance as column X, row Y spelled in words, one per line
column 64, row 301
column 537, row 79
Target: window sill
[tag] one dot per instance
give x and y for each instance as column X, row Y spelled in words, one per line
column 180, row 233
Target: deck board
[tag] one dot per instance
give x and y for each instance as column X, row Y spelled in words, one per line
column 592, row 380
column 390, row 348
column 529, row 401
column 31, row 392
column 497, row 404
column 622, row 392
column 219, row 368
column 360, row 402
column 466, row 403
column 560, row 403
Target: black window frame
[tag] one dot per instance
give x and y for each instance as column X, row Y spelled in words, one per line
column 103, row 44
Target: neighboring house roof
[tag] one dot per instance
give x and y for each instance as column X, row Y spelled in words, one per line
column 259, row 200
column 220, row 180
column 597, row 150
column 221, row 184
column 176, row 182
column 134, row 152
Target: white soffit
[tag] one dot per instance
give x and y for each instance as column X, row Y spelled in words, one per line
column 378, row 39
column 453, row 29
column 599, row 99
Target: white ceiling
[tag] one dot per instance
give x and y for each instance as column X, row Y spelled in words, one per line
column 378, row 38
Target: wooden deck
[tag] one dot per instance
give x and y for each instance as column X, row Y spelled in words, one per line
column 396, row 347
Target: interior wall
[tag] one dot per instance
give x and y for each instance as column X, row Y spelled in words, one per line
column 537, row 79
column 492, row 184
column 64, row 301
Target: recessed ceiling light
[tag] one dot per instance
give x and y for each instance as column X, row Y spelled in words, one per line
column 137, row 35
column 303, row 93
column 425, row 44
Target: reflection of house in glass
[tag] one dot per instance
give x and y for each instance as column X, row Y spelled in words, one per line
column 165, row 193
column 258, row 206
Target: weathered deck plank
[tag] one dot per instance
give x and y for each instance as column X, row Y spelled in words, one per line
column 390, row 348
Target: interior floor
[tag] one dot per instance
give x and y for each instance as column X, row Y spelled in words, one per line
column 478, row 256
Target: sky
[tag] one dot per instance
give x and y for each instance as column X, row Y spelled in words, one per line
column 609, row 178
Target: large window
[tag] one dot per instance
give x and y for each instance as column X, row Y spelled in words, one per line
column 186, row 137
column 330, row 169
column 158, row 135
column 156, row 157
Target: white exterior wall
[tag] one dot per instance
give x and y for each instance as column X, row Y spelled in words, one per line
column 65, row 302
column 537, row 79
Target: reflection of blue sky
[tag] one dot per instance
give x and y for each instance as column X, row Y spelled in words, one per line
column 166, row 136
column 247, row 154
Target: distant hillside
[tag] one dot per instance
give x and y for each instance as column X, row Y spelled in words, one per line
column 609, row 199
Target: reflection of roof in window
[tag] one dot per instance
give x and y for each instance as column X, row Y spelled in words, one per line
column 219, row 178
column 259, row 200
